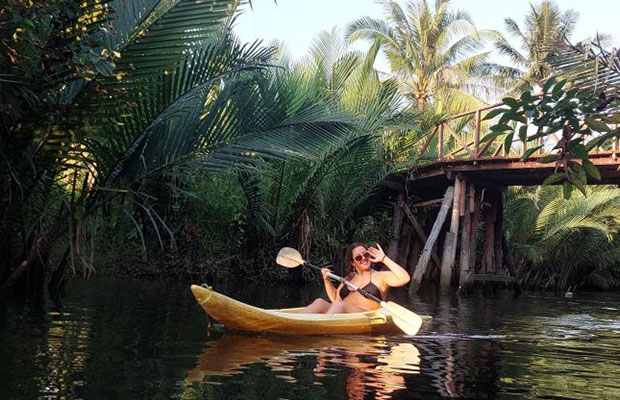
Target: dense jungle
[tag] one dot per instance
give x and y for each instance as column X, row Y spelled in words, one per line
column 144, row 139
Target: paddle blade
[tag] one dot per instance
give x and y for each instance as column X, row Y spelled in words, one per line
column 408, row 321
column 289, row 258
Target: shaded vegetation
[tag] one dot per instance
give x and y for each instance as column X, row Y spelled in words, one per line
column 144, row 138
column 564, row 244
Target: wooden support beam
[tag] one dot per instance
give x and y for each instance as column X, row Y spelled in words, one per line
column 457, row 151
column 490, row 215
column 450, row 242
column 477, row 134
column 420, row 232
column 524, row 142
column 473, row 236
column 499, row 232
column 447, row 260
column 428, row 246
column 485, row 147
column 428, row 203
column 497, row 151
column 466, row 231
column 454, row 222
column 392, row 250
column 429, row 140
column 440, row 142
column 462, row 197
column 405, row 244
column 460, row 141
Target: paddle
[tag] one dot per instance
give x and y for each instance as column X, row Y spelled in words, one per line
column 408, row 321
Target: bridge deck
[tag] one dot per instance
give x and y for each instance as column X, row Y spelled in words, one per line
column 434, row 177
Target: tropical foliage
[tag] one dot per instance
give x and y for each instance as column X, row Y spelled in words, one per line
column 184, row 94
column 311, row 203
column 563, row 244
column 435, row 54
column 580, row 117
column 544, row 26
column 144, row 135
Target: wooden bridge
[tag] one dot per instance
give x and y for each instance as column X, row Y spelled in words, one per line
column 466, row 180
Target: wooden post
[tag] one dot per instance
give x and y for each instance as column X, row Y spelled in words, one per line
column 490, row 214
column 428, row 246
column 397, row 224
column 466, row 231
column 449, row 250
column 447, row 261
column 477, row 134
column 540, row 143
column 440, row 142
column 525, row 141
column 462, row 197
column 405, row 244
column 473, row 236
column 499, row 232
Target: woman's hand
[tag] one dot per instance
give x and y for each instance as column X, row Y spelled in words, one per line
column 325, row 272
column 377, row 255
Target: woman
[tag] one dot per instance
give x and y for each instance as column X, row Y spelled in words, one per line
column 358, row 262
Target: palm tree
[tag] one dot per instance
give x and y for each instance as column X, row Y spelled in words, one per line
column 184, row 93
column 545, row 25
column 311, row 203
column 434, row 54
column 560, row 243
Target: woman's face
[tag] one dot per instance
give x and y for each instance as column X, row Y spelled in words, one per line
column 360, row 258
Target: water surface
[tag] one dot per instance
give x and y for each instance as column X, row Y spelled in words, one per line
column 123, row 339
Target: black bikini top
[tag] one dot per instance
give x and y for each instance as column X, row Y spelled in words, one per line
column 370, row 288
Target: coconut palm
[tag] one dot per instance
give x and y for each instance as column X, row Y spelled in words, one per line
column 559, row 243
column 545, row 25
column 434, row 53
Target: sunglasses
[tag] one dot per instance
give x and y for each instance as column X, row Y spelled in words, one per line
column 360, row 257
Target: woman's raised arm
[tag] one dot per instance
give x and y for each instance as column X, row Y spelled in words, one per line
column 397, row 275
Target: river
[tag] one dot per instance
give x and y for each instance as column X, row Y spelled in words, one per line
column 131, row 339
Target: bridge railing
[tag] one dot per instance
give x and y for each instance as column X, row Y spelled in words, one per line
column 461, row 137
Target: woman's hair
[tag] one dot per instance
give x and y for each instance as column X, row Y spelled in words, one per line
column 349, row 270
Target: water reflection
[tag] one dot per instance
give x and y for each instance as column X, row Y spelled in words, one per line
column 373, row 366
column 134, row 339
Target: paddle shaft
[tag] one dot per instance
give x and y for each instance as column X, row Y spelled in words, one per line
column 346, row 282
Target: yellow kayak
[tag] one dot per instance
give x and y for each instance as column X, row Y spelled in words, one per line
column 236, row 315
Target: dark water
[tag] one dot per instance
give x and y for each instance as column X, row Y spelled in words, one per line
column 114, row 339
